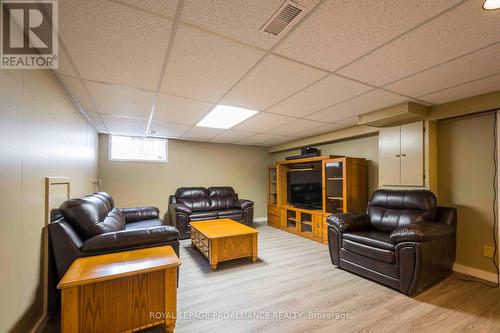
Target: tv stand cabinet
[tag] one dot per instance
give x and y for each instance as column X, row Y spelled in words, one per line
column 343, row 190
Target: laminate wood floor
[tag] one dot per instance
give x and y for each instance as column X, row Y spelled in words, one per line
column 295, row 275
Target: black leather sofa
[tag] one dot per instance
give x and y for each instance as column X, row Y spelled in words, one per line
column 91, row 225
column 404, row 240
column 200, row 203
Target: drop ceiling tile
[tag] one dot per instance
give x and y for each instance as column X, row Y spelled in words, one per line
column 371, row 101
column 64, row 64
column 113, row 43
column 168, row 130
column 464, row 29
column 277, row 141
column 202, row 133
column 231, row 136
column 97, row 121
column 257, row 139
column 77, row 90
column 351, row 121
column 161, row 7
column 328, row 91
column 125, row 125
column 237, row 19
column 471, row 67
column 262, row 122
column 120, row 100
column 320, row 130
column 204, row 66
column 180, row 110
column 340, row 31
column 470, row 89
column 272, row 80
column 295, row 127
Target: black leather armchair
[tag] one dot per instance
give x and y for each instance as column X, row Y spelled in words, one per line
column 91, row 225
column 199, row 203
column 404, row 240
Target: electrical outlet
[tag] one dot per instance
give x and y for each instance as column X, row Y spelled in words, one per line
column 488, row 251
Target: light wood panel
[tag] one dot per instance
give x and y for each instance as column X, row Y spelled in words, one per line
column 118, row 292
column 120, row 264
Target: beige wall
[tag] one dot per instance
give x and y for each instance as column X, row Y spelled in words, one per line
column 189, row 164
column 465, row 181
column 366, row 147
column 41, row 134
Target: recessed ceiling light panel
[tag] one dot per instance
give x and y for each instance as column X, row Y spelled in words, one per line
column 491, row 4
column 225, row 116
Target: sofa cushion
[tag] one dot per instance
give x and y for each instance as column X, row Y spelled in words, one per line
column 196, row 198
column 144, row 224
column 221, row 197
column 390, row 209
column 130, row 238
column 106, row 198
column 208, row 215
column 373, row 238
column 90, row 216
column 236, row 214
column 369, row 251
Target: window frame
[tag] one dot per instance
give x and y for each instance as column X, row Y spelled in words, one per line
column 110, row 143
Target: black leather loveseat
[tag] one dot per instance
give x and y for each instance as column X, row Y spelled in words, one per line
column 91, row 225
column 404, row 240
column 200, row 203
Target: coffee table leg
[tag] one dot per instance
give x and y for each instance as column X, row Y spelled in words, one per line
column 254, row 248
column 213, row 248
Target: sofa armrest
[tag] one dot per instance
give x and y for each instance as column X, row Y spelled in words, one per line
column 349, row 221
column 421, row 232
column 140, row 213
column 180, row 208
column 243, row 204
column 124, row 239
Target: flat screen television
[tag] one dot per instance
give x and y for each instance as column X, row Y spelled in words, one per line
column 304, row 189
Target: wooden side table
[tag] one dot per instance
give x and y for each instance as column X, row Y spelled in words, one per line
column 121, row 292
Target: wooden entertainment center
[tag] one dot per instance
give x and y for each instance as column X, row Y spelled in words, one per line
column 343, row 182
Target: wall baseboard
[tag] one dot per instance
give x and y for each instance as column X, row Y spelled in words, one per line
column 475, row 272
column 260, row 219
column 40, row 324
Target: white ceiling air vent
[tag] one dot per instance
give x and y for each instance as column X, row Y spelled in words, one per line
column 282, row 20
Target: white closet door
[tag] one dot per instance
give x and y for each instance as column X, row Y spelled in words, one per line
column 389, row 156
column 412, row 154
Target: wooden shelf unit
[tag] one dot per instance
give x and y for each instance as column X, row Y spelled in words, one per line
column 343, row 190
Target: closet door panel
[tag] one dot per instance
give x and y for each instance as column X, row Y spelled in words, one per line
column 390, row 156
column 412, row 154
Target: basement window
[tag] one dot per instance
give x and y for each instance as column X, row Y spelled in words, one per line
column 137, row 149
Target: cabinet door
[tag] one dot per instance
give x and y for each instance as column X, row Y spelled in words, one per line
column 318, row 226
column 412, row 154
column 390, row 155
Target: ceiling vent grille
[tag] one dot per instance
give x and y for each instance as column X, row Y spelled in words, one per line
column 282, row 20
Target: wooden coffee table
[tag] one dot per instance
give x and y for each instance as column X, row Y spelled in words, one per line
column 121, row 292
column 224, row 239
